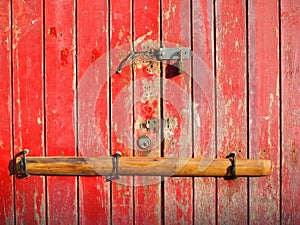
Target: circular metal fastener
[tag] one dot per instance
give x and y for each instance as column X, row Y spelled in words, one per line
column 144, row 142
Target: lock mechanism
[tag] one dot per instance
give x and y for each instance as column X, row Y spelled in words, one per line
column 161, row 54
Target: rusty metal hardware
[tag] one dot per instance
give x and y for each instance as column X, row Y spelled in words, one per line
column 161, row 54
column 232, row 169
column 152, row 124
column 20, row 168
column 112, row 177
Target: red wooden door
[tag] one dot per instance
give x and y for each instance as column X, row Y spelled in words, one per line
column 61, row 96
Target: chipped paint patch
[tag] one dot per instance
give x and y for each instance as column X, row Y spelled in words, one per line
column 142, row 38
column 64, row 54
column 53, row 33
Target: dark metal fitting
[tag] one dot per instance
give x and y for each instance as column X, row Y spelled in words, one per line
column 115, row 158
column 20, row 164
column 231, row 172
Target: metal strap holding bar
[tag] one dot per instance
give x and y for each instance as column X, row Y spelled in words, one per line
column 20, row 168
column 115, row 162
column 232, row 169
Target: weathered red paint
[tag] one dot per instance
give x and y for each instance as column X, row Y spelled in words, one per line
column 59, row 95
column 6, row 147
column 256, row 92
column 290, row 158
column 178, row 192
column 92, row 43
column 204, row 107
column 53, row 32
column 121, row 43
column 231, row 105
column 28, row 113
column 146, row 27
column 64, row 54
column 264, row 108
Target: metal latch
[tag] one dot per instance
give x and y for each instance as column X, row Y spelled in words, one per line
column 152, row 124
column 179, row 53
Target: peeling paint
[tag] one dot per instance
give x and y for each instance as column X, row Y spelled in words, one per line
column 64, row 54
column 142, row 38
column 95, row 55
column 53, row 32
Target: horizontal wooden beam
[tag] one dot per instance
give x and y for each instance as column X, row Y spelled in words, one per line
column 141, row 166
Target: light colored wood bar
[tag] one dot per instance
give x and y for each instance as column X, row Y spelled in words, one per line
column 145, row 166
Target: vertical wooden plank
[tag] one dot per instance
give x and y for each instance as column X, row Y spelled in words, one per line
column 264, row 109
column 290, row 48
column 92, row 44
column 121, row 107
column 6, row 182
column 28, row 105
column 146, row 29
column 204, row 107
column 60, row 85
column 232, row 105
column 178, row 195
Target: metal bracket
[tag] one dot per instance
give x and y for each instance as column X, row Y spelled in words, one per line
column 231, row 174
column 160, row 54
column 152, row 124
column 20, row 165
column 115, row 158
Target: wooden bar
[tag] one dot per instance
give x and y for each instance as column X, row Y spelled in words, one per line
column 144, row 166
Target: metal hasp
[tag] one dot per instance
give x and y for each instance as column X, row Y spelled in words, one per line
column 161, row 54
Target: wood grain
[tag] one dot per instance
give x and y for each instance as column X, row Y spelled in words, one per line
column 48, row 47
column 92, row 46
column 178, row 195
column 264, row 126
column 6, row 148
column 60, row 86
column 145, row 166
column 147, row 191
column 290, row 159
column 231, row 105
column 121, row 126
column 28, row 105
column 204, row 106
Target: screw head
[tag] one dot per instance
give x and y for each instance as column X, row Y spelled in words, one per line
column 144, row 142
